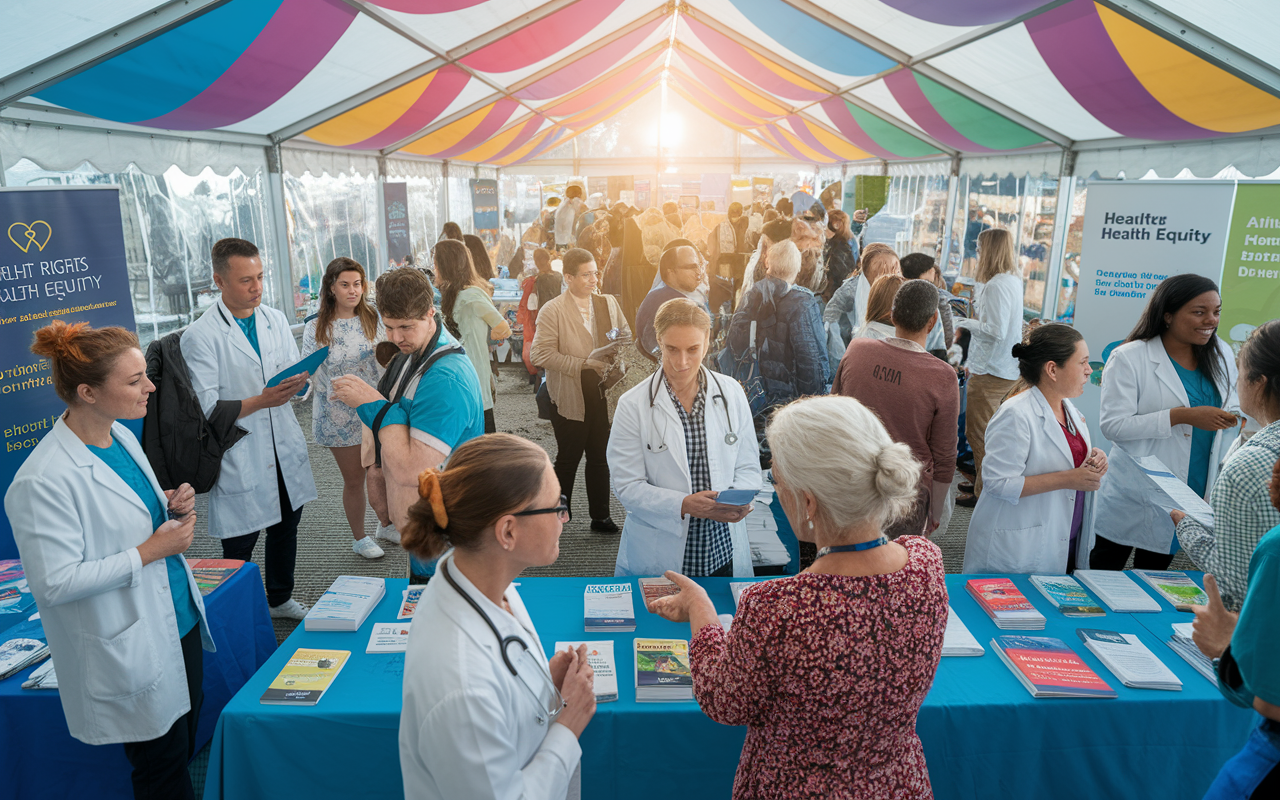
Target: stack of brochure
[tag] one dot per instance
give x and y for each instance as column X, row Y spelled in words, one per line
column 958, row 641
column 389, row 637
column 306, row 676
column 1129, row 660
column 1118, row 591
column 600, row 657
column 42, row 678
column 346, row 605
column 662, row 670
column 1067, row 595
column 1006, row 606
column 607, row 607
column 210, row 573
column 1183, row 645
column 409, row 602
column 653, row 588
column 1046, row 667
column 1181, row 592
column 19, row 653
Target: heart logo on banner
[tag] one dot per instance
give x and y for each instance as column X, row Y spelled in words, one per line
column 27, row 233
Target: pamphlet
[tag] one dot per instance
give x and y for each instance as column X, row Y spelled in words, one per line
column 389, row 637
column 1173, row 492
column 306, row 677
column 210, row 573
column 600, row 657
column 1181, row 592
column 309, row 365
column 409, row 602
column 1117, row 590
column 346, row 605
column 653, row 588
column 19, row 653
column 1006, row 606
column 662, row 670
column 1046, row 667
column 957, row 640
column 1067, row 595
column 42, row 678
column 1185, row 646
column 15, row 595
column 608, row 607
column 1129, row 660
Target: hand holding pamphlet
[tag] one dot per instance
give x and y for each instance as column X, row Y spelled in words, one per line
column 308, row 365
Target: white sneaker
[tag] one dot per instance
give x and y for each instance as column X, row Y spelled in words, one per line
column 289, row 609
column 389, row 533
column 367, row 548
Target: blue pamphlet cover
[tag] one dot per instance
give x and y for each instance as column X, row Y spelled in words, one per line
column 308, row 365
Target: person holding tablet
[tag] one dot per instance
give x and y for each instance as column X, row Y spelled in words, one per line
column 678, row 440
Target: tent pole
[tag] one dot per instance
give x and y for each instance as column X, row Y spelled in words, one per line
column 444, row 171
column 384, row 247
column 283, row 272
column 1061, row 220
column 953, row 197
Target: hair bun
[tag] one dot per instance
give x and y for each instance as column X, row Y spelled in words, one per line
column 1019, row 350
column 60, row 340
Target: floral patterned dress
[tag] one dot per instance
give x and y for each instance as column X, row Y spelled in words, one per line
column 334, row 424
column 828, row 673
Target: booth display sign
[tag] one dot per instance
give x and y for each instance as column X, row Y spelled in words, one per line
column 1251, row 272
column 484, row 209
column 61, row 257
column 395, row 204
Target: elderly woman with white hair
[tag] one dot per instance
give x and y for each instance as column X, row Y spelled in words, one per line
column 828, row 668
column 783, row 323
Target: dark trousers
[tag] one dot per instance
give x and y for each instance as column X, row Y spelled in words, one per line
column 160, row 765
column 490, row 426
column 590, row 436
column 1107, row 554
column 280, row 551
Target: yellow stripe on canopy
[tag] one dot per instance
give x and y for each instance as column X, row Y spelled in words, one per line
column 494, row 145
column 784, row 73
column 448, row 136
column 1186, row 84
column 837, row 145
column 371, row 118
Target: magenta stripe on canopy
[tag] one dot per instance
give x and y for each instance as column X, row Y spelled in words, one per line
column 717, row 85
column 600, row 93
column 491, row 124
column 444, row 88
column 299, row 35
column 526, row 134
column 743, row 63
column 425, row 6
column 713, row 103
column 1074, row 43
column 906, row 90
column 544, row 38
column 838, row 113
column 585, row 69
column 801, row 129
column 551, row 137
column 587, row 122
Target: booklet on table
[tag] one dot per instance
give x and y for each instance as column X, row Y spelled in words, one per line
column 1046, row 667
column 1129, row 660
column 346, row 604
column 958, row 640
column 600, row 657
column 1176, row 587
column 662, row 670
column 409, row 602
column 1067, row 595
column 607, row 607
column 305, row 678
column 1182, row 644
column 389, row 637
column 1006, row 606
column 1118, row 591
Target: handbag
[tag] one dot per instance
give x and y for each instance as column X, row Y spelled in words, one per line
column 745, row 369
column 545, row 406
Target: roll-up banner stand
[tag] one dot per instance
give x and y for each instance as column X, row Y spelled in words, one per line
column 62, row 257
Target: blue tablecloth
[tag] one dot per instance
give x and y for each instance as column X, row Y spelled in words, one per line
column 40, row 759
column 984, row 735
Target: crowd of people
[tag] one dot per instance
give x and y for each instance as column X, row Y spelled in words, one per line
column 780, row 346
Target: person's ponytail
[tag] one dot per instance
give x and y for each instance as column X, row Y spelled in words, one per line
column 80, row 354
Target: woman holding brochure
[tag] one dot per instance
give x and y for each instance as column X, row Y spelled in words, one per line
column 1242, row 510
column 351, row 329
column 678, row 440
column 102, row 548
column 1169, row 391
column 828, row 668
column 485, row 714
column 1038, row 465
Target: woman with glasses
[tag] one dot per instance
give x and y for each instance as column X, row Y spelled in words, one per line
column 679, row 439
column 485, row 713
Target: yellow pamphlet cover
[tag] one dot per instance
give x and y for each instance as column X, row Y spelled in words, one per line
column 306, row 677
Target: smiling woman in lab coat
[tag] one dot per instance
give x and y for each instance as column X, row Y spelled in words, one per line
column 102, row 548
column 678, row 439
column 1169, row 391
column 485, row 714
column 1038, row 466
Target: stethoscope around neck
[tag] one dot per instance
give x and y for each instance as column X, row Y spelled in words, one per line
column 655, row 386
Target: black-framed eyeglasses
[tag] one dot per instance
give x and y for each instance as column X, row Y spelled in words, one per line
column 561, row 511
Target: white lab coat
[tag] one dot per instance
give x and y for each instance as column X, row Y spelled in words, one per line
column 651, row 485
column 223, row 366
column 109, row 620
column 1010, row 533
column 1139, row 388
column 468, row 727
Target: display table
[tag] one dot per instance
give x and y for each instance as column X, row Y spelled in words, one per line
column 984, row 735
column 40, row 759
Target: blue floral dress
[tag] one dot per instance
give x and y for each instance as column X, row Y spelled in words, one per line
column 334, row 424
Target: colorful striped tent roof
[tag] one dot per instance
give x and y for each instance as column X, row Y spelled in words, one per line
column 502, row 82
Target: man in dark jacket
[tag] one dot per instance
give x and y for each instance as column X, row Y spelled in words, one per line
column 791, row 344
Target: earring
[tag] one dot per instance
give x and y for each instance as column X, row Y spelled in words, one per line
column 811, row 524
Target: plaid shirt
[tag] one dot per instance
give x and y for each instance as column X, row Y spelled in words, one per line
column 1242, row 513
column 708, row 547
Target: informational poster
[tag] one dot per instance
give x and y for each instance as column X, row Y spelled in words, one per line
column 1251, row 271
column 484, row 209
column 865, row 193
column 61, row 257
column 395, row 221
column 1136, row 234
column 643, row 197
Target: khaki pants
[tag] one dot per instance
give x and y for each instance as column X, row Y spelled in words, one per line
column 984, row 393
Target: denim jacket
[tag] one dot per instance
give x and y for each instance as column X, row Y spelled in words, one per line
column 792, row 347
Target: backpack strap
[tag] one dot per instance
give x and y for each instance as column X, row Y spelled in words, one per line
column 603, row 321
column 416, row 366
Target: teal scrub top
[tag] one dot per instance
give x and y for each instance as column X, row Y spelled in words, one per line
column 1200, row 392
column 250, row 327
column 123, row 464
column 1255, row 645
